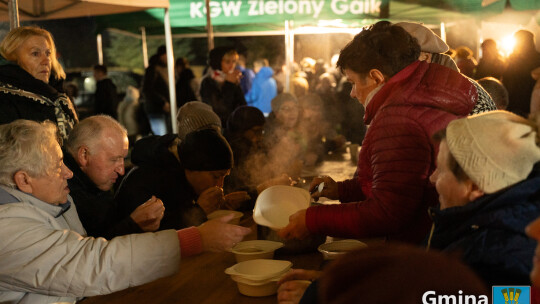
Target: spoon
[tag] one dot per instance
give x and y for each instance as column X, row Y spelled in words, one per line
column 319, row 188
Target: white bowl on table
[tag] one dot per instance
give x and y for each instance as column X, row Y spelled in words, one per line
column 258, row 278
column 336, row 249
column 256, row 249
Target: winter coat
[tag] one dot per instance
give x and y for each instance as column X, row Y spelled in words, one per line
column 158, row 172
column 263, row 90
column 97, row 208
column 24, row 97
column 184, row 89
column 517, row 79
column 248, row 76
column 392, row 190
column 45, row 256
column 484, row 103
column 491, row 66
column 155, row 88
column 489, row 233
column 466, row 66
column 127, row 115
column 222, row 97
column 106, row 98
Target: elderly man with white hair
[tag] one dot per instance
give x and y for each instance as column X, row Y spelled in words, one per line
column 96, row 148
column 45, row 256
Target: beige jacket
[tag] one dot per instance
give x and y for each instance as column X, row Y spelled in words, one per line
column 45, row 256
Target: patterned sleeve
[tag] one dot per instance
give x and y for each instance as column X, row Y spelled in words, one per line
column 484, row 103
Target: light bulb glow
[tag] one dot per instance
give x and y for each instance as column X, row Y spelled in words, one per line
column 507, row 45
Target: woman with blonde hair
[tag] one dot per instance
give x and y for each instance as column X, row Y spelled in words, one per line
column 28, row 69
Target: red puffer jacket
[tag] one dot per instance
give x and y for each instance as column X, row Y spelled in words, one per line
column 392, row 191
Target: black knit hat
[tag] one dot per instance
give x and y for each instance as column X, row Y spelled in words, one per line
column 245, row 118
column 205, row 150
column 216, row 56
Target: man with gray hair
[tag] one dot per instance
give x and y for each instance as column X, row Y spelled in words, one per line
column 96, row 148
column 45, row 255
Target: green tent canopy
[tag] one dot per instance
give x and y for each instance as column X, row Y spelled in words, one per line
column 481, row 6
column 241, row 17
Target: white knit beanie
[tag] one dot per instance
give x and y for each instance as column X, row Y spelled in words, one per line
column 196, row 115
column 427, row 39
column 495, row 149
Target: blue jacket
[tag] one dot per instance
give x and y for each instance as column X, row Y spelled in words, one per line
column 263, row 90
column 247, row 78
column 488, row 233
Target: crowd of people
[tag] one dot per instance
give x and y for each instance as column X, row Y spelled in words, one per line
column 442, row 167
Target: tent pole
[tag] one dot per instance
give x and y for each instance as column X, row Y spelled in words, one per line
column 144, row 47
column 443, row 31
column 99, row 49
column 209, row 28
column 289, row 55
column 13, row 8
column 170, row 70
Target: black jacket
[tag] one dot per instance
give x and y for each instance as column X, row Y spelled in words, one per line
column 97, row 209
column 106, row 98
column 184, row 92
column 155, row 87
column 489, row 233
column 158, row 172
column 223, row 98
column 24, row 97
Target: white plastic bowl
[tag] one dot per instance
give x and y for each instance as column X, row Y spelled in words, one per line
column 256, row 249
column 335, row 249
column 220, row 213
column 259, row 270
column 275, row 204
column 252, row 289
column 257, row 278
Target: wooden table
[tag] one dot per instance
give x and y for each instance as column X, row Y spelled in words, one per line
column 202, row 280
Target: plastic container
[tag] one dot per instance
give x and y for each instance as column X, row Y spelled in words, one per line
column 259, row 269
column 275, row 204
column 335, row 249
column 255, row 289
column 257, row 278
column 256, row 249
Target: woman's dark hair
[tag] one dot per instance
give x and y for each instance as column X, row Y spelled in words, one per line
column 383, row 46
column 452, row 162
column 216, row 56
